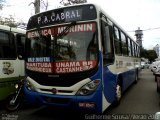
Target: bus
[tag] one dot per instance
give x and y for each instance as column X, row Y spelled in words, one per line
column 11, row 58
column 78, row 57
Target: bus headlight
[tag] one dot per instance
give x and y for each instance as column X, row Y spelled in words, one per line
column 89, row 88
column 30, row 86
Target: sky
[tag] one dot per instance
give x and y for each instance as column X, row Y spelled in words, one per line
column 129, row 14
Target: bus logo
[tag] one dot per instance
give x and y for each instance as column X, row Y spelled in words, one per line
column 8, row 68
column 54, row 90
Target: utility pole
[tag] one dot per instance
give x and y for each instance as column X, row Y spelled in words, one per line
column 37, row 6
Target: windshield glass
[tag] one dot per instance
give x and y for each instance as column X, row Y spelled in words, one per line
column 74, row 50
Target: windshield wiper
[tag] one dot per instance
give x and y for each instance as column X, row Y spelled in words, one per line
column 55, row 47
column 66, row 29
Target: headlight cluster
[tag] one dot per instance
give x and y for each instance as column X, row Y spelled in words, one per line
column 88, row 88
column 29, row 86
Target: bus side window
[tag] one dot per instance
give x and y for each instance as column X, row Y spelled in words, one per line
column 107, row 43
column 20, row 40
column 7, row 45
column 129, row 47
column 117, row 42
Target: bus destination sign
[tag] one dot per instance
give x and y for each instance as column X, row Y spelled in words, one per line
column 69, row 15
column 61, row 15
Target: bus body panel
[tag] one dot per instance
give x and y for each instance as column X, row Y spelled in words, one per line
column 126, row 68
column 11, row 66
column 11, row 71
column 128, row 78
column 110, row 81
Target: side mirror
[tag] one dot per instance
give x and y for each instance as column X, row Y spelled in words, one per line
column 20, row 56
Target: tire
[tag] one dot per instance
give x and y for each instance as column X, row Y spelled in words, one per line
column 10, row 106
column 136, row 78
column 118, row 94
column 158, row 89
column 155, row 78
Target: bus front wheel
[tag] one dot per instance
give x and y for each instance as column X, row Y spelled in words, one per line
column 118, row 95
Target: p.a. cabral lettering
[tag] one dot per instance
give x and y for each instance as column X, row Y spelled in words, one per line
column 67, row 15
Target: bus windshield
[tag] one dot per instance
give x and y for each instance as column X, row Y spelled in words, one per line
column 75, row 50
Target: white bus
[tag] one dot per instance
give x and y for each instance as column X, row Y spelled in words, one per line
column 11, row 58
column 78, row 57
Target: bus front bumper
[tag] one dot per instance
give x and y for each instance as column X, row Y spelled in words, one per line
column 91, row 102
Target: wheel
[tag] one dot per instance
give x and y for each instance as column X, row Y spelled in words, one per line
column 136, row 78
column 118, row 95
column 10, row 106
column 158, row 88
column 155, row 78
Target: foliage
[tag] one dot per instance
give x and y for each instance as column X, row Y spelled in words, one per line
column 152, row 55
column 2, row 4
column 72, row 2
column 10, row 21
column 149, row 54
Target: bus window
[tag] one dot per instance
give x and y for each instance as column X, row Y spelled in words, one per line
column 117, row 42
column 124, row 44
column 7, row 46
column 20, row 40
column 107, row 43
column 129, row 47
column 133, row 50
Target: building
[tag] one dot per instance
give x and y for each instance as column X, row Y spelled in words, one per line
column 139, row 35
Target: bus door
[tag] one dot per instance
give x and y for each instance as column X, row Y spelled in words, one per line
column 109, row 79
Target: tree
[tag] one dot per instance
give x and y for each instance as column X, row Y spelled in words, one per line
column 2, row 4
column 143, row 52
column 148, row 54
column 72, row 2
column 151, row 55
column 10, row 21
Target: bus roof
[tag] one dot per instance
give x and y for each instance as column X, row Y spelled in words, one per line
column 15, row 30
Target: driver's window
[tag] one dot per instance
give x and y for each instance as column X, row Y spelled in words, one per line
column 107, row 43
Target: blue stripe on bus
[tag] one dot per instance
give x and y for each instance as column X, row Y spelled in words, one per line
column 109, row 80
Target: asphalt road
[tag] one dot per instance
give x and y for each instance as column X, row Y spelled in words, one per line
column 140, row 99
